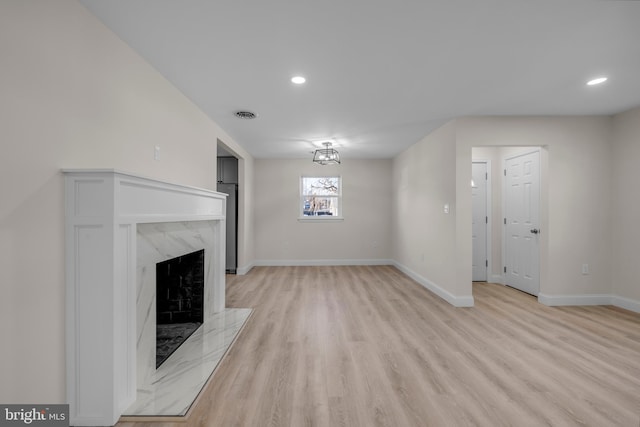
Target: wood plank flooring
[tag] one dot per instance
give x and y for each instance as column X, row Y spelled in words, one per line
column 367, row 346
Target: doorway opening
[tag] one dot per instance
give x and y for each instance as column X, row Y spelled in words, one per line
column 227, row 182
column 480, row 225
column 511, row 252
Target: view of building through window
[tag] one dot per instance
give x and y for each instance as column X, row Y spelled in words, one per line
column 320, row 196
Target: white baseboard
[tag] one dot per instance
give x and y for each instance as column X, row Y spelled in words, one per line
column 497, row 278
column 587, row 299
column 456, row 301
column 319, row 262
column 590, row 299
column 626, row 303
column 241, row 271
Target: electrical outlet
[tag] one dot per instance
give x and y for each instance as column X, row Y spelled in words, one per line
column 585, row 268
column 446, row 208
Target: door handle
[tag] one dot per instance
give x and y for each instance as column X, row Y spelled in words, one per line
column 535, row 231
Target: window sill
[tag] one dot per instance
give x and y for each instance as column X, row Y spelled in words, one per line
column 320, row 218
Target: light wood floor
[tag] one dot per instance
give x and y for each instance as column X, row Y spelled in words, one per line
column 367, row 346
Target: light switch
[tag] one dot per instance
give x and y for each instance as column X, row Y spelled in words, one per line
column 446, row 208
column 156, row 153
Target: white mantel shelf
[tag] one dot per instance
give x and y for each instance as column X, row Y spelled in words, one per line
column 103, row 208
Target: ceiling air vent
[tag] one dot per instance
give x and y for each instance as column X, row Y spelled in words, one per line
column 248, row 115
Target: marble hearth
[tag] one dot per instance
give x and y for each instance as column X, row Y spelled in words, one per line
column 118, row 225
column 171, row 389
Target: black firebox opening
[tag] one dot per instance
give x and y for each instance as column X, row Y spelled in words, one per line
column 179, row 301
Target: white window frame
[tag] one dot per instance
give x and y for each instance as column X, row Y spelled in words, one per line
column 302, row 195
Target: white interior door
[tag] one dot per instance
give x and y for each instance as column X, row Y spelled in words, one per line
column 480, row 221
column 522, row 224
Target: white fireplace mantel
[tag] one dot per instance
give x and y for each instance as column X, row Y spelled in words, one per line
column 103, row 208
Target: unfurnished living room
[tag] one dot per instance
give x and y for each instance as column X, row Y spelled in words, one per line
column 335, row 213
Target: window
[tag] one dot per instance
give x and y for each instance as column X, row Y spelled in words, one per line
column 320, row 197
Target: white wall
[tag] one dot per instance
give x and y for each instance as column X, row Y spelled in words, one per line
column 424, row 236
column 246, row 214
column 73, row 96
column 626, row 206
column 364, row 235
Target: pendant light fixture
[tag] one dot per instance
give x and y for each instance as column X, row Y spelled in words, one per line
column 327, row 155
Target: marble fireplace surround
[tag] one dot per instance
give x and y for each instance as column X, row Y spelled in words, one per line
column 159, row 242
column 117, row 224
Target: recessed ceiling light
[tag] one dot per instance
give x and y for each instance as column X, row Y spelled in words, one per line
column 298, row 80
column 597, row 81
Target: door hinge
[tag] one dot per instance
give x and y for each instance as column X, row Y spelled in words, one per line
column 505, row 172
column 486, row 263
column 505, row 269
column 486, row 220
column 505, row 221
column 486, row 176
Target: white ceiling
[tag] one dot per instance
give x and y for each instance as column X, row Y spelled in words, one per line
column 382, row 74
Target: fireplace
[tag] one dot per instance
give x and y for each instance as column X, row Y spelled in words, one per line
column 118, row 226
column 179, row 301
